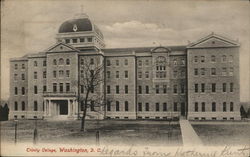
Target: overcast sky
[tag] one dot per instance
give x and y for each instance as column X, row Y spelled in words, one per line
column 31, row 26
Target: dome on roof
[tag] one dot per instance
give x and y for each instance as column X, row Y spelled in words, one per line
column 76, row 25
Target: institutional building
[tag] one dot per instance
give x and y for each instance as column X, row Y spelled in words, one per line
column 198, row 81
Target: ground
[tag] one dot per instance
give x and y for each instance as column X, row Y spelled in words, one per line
column 121, row 132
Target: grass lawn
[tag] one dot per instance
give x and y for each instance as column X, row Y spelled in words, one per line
column 112, row 132
column 234, row 133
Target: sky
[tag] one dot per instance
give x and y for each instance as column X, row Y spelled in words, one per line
column 30, row 26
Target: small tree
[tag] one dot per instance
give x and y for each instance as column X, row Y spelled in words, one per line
column 91, row 79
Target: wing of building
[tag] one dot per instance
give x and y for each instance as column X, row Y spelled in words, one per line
column 199, row 81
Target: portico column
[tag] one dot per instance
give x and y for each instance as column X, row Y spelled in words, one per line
column 69, row 108
column 49, row 108
column 76, row 106
column 45, row 106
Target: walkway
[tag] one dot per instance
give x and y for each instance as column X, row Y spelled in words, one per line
column 189, row 136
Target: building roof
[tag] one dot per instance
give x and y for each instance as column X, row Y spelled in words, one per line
column 143, row 49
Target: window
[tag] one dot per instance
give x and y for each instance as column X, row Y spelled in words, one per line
column 224, row 58
column 16, row 91
column 139, row 63
column 157, row 89
column 16, row 67
column 35, row 89
column 196, row 106
column 82, row 89
column 117, row 62
column 54, row 62
column 224, row 71
column 61, row 72
column 213, row 59
column 92, row 61
column 203, row 87
column 175, row 89
column 61, row 61
column 92, row 106
column 125, row 62
column 126, row 89
column 35, row 75
column 231, row 58
column 61, row 87
column 213, row 106
column 117, row 89
column 67, row 62
column 175, row 106
column 195, row 59
column 213, row 87
column 196, row 88
column 117, row 74
column 89, row 39
column 139, row 74
column 147, row 107
column 183, row 73
column 108, row 62
column 35, row 63
column 196, row 72
column 15, row 76
column 202, row 71
column 67, row 73
column 67, row 41
column 82, row 40
column 67, row 87
column 224, row 107
column 146, row 74
column 23, row 106
column 202, row 59
column 175, row 74
column 117, row 106
column 92, row 89
column 23, row 66
column 23, row 91
column 35, row 105
column 231, row 71
column 44, row 88
column 161, row 64
column 74, row 40
column 164, row 88
column 139, row 106
column 16, row 106
column 108, row 106
column 224, row 87
column 108, row 89
column 182, row 88
column 44, row 74
column 147, row 89
column 54, row 74
column 23, row 77
column 126, row 74
column 146, row 62
column 175, row 62
column 213, row 71
column 203, row 107
column 165, row 106
column 126, row 106
column 231, row 87
column 82, row 61
column 139, row 89
column 157, row 106
column 108, row 74
column 231, row 106
column 54, row 87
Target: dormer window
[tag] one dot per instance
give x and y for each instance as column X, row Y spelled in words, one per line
column 89, row 39
column 74, row 40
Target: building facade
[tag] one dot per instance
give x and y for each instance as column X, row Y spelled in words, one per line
column 198, row 81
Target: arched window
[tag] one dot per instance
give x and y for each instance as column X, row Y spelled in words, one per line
column 61, row 61
column 161, row 64
column 213, row 59
column 67, row 62
column 54, row 62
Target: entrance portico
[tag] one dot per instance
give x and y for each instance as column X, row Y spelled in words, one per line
column 60, row 108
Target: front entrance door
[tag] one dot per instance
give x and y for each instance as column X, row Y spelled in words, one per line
column 183, row 109
column 63, row 105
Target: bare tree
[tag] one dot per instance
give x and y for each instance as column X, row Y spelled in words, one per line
column 91, row 80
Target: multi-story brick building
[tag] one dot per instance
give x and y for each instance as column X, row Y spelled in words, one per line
column 197, row 81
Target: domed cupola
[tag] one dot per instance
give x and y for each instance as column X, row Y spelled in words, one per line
column 80, row 32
